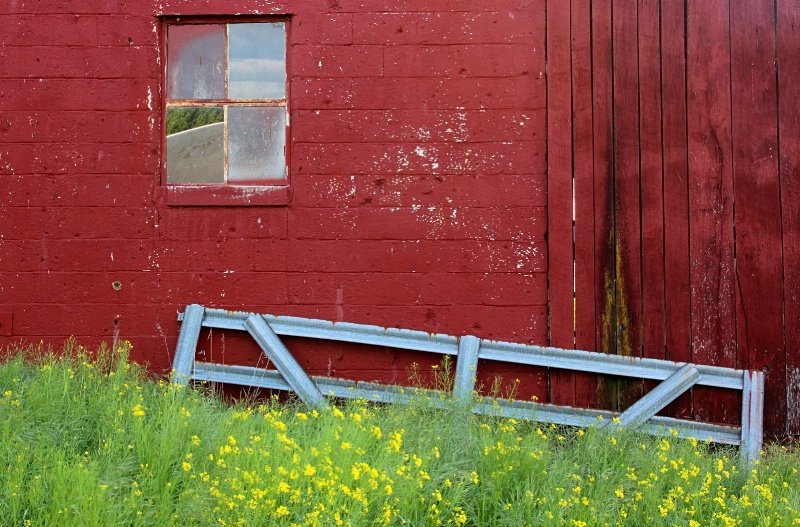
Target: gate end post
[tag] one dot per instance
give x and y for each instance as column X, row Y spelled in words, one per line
column 752, row 416
column 187, row 344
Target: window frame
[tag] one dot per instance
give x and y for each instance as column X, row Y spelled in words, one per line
column 252, row 193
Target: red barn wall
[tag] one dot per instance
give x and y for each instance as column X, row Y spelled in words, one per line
column 417, row 173
column 675, row 127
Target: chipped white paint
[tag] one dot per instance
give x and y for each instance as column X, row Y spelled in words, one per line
column 461, row 133
column 401, row 160
column 423, row 134
column 7, row 165
column 440, row 220
column 524, row 254
column 341, row 192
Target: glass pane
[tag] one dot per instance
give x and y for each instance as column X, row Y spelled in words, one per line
column 256, row 140
column 196, row 61
column 195, row 152
column 256, row 61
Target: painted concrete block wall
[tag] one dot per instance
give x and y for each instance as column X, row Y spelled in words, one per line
column 417, row 176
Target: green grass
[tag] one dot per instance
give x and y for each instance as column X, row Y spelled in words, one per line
column 90, row 439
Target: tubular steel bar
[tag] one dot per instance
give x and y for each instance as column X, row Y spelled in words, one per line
column 677, row 377
column 340, row 331
column 592, row 362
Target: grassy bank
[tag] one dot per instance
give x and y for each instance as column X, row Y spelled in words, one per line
column 91, row 440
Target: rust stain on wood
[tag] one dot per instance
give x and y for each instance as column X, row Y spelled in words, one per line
column 615, row 319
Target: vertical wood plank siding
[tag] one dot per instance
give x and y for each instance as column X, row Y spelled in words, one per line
column 687, row 223
column 583, row 148
column 789, row 153
column 559, row 194
column 754, row 98
column 677, row 312
column 627, row 183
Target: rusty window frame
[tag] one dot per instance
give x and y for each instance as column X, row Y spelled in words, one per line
column 225, row 102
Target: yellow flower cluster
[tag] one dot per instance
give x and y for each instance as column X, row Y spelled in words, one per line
column 282, row 474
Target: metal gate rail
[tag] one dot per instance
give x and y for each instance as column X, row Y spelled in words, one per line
column 676, row 377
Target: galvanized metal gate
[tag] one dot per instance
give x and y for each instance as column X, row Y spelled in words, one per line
column 675, row 378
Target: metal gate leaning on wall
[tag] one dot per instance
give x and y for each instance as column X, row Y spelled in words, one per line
column 676, row 126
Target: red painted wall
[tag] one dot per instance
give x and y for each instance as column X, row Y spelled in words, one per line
column 417, row 171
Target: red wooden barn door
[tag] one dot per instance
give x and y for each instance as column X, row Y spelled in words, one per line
column 672, row 194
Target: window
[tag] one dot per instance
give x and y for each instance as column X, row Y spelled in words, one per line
column 226, row 104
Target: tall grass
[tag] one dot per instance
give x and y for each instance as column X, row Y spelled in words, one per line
column 92, row 440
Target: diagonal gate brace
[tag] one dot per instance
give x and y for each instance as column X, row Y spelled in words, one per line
column 288, row 367
column 659, row 397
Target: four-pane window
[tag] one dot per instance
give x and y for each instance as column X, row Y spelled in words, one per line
column 226, row 103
